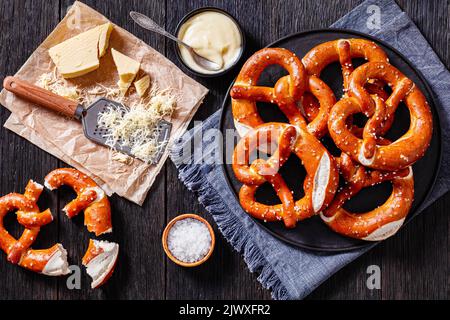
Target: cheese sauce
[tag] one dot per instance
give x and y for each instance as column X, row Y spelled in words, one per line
column 214, row 36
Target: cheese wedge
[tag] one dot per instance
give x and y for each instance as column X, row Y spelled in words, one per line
column 103, row 41
column 80, row 55
column 142, row 85
column 127, row 68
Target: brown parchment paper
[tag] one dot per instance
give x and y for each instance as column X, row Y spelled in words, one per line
column 64, row 137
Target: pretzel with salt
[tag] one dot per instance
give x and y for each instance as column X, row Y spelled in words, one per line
column 320, row 183
column 399, row 154
column 90, row 198
column 286, row 92
column 379, row 223
column 51, row 261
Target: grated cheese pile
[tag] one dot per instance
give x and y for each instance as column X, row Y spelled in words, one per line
column 51, row 82
column 189, row 240
column 137, row 127
column 92, row 94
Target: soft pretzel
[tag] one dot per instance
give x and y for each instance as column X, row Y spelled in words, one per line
column 52, row 261
column 342, row 51
column 379, row 223
column 286, row 92
column 320, row 184
column 100, row 260
column 90, row 198
column 310, row 106
column 404, row 151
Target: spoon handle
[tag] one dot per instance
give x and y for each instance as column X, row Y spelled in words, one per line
column 149, row 24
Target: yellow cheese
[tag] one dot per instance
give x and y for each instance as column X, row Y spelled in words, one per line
column 103, row 41
column 142, row 85
column 80, row 55
column 127, row 68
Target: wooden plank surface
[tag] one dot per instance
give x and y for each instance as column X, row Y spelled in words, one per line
column 414, row 263
column 21, row 160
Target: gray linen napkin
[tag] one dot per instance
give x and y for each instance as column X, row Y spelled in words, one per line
column 289, row 272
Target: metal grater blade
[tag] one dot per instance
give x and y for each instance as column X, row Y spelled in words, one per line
column 97, row 134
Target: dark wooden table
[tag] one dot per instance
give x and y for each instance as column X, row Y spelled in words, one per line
column 414, row 263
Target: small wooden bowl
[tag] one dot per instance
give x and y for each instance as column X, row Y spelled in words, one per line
column 166, row 234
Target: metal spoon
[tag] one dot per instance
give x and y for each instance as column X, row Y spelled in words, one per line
column 149, row 24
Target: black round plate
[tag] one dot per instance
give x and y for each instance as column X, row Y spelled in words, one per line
column 312, row 233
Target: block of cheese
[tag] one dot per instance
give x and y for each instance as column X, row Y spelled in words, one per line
column 127, row 68
column 79, row 55
column 142, row 85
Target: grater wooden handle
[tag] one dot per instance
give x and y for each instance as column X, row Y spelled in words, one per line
column 40, row 96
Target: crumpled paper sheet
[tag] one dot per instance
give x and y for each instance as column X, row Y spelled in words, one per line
column 64, row 138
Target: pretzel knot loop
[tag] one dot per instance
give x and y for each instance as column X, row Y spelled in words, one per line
column 320, row 183
column 90, row 198
column 286, row 92
column 47, row 261
column 342, row 51
column 404, row 151
column 379, row 223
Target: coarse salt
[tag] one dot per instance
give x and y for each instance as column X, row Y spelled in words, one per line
column 189, row 240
